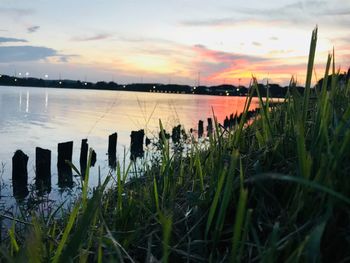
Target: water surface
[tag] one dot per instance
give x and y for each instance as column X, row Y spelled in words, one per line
column 43, row 117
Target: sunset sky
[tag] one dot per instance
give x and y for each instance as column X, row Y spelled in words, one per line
column 171, row 41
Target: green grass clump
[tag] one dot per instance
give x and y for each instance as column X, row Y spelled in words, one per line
column 276, row 190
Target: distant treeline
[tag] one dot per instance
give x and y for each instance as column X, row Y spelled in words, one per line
column 273, row 90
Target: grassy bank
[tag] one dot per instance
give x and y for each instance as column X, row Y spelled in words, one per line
column 274, row 191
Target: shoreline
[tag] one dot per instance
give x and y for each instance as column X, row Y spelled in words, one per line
column 275, row 90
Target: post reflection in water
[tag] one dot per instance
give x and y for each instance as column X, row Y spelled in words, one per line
column 27, row 103
column 46, row 100
column 20, row 101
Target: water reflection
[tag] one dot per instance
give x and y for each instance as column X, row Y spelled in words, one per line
column 27, row 102
column 46, row 100
column 20, row 101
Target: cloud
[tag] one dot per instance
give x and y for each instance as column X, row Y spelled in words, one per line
column 301, row 11
column 33, row 29
column 10, row 39
column 16, row 11
column 92, row 38
column 211, row 22
column 335, row 13
column 65, row 58
column 213, row 63
column 256, row 43
column 25, row 53
column 221, row 56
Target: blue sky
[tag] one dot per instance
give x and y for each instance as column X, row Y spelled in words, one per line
column 170, row 41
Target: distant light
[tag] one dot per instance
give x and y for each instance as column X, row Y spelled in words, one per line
column 124, row 86
column 0, row 76
column 85, row 83
column 227, row 94
column 27, row 74
column 60, row 82
column 15, row 79
column 194, row 87
column 154, row 87
column 20, row 74
column 46, row 76
column 237, row 89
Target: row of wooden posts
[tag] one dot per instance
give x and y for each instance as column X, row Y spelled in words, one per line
column 65, row 152
column 64, row 169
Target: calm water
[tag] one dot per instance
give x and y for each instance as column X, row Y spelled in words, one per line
column 31, row 117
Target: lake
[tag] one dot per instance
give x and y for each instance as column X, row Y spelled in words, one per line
column 43, row 117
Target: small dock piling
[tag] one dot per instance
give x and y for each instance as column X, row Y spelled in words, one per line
column 200, row 128
column 112, row 150
column 43, row 169
column 210, row 126
column 65, row 176
column 20, row 174
column 136, row 145
column 83, row 156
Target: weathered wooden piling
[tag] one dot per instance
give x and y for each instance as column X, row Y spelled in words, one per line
column 43, row 169
column 20, row 174
column 83, row 156
column 226, row 123
column 136, row 145
column 93, row 158
column 231, row 121
column 176, row 134
column 210, row 126
column 112, row 149
column 200, row 128
column 148, row 141
column 65, row 176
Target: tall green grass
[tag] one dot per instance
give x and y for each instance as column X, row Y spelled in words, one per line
column 276, row 190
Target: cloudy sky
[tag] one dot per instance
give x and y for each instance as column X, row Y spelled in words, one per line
column 171, row 41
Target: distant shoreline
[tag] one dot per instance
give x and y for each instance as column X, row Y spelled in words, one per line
column 274, row 90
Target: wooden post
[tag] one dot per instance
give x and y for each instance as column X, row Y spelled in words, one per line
column 232, row 121
column 65, row 176
column 200, row 128
column 83, row 156
column 176, row 134
column 210, row 126
column 112, row 150
column 136, row 145
column 148, row 141
column 20, row 174
column 226, row 123
column 43, row 169
column 93, row 158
